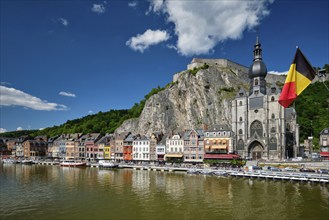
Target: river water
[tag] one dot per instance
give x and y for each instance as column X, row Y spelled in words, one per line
column 53, row 192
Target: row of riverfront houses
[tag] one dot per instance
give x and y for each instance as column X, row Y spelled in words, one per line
column 185, row 146
column 192, row 146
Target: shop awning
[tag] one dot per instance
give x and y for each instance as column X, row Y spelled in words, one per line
column 221, row 156
column 324, row 154
column 174, row 155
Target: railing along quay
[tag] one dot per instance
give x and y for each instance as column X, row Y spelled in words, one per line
column 298, row 176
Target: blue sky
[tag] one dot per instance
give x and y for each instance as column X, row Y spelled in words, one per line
column 62, row 60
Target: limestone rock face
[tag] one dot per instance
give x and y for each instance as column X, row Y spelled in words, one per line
column 193, row 100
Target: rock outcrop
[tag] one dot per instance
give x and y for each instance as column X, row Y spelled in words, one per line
column 195, row 98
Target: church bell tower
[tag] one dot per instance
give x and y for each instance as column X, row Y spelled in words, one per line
column 257, row 72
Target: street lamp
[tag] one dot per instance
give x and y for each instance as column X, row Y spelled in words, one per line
column 310, row 144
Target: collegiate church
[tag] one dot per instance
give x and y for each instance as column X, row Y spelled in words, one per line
column 263, row 128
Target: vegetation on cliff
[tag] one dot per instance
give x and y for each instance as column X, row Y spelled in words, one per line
column 312, row 108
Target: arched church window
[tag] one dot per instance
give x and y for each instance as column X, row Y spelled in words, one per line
column 240, row 145
column 256, row 82
column 272, row 99
column 240, row 131
column 240, row 103
column 273, row 143
column 272, row 116
column 273, row 130
column 240, row 119
column 256, row 128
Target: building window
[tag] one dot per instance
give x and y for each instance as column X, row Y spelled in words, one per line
column 256, row 82
column 240, row 145
column 272, row 116
column 273, row 143
column 273, row 130
column 240, row 119
column 256, row 128
column 272, row 99
column 240, row 131
column 240, row 103
column 256, row 92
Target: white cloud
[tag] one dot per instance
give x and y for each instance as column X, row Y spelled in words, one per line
column 90, row 112
column 98, row 8
column 14, row 97
column 2, row 130
column 63, row 21
column 201, row 25
column 132, row 4
column 19, row 129
column 68, row 94
column 170, row 46
column 278, row 73
column 5, row 83
column 148, row 38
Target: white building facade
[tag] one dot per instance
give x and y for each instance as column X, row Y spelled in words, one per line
column 175, row 146
column 141, row 149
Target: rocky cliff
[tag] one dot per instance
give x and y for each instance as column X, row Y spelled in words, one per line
column 196, row 97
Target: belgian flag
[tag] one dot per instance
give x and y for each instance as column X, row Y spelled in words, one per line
column 300, row 75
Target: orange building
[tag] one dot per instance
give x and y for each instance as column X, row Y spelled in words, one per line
column 128, row 148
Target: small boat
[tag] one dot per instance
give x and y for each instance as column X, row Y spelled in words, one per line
column 27, row 162
column 72, row 163
column 107, row 164
column 9, row 161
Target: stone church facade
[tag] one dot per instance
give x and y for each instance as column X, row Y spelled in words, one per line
column 263, row 128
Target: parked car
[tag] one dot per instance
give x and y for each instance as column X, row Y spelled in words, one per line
column 307, row 170
column 323, row 171
column 289, row 169
column 275, row 169
column 257, row 168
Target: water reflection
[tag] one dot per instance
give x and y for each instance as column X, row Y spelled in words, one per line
column 33, row 192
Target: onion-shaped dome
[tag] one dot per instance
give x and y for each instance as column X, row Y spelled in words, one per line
column 258, row 68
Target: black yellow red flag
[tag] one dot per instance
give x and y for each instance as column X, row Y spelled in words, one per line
column 300, row 75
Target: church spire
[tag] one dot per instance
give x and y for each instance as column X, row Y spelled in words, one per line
column 257, row 50
column 257, row 71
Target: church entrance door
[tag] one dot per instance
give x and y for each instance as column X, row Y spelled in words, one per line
column 256, row 155
column 256, row 150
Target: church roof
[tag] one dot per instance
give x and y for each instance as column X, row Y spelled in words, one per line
column 273, row 90
column 241, row 93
